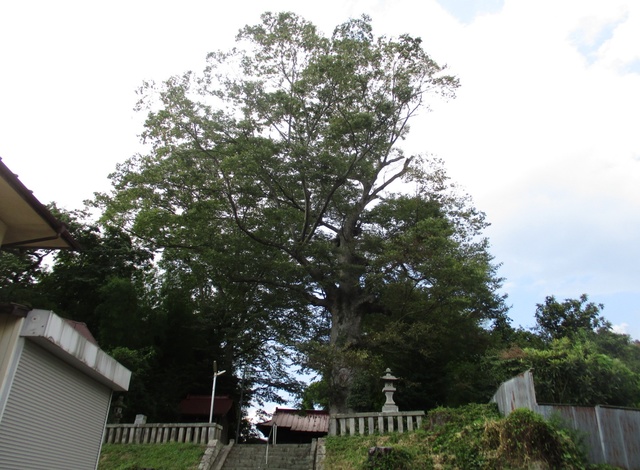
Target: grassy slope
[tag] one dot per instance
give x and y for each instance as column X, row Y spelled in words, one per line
column 471, row 437
column 169, row 456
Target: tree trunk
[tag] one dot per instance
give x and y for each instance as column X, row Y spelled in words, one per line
column 346, row 320
column 345, row 300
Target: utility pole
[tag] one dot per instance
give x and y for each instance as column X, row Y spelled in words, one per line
column 244, row 375
column 213, row 389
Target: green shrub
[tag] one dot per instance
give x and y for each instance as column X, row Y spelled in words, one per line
column 468, row 438
column 394, row 459
column 524, row 439
column 443, row 419
column 457, row 433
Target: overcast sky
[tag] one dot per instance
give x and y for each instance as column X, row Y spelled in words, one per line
column 544, row 133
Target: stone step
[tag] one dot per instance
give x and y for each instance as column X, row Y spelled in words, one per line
column 281, row 457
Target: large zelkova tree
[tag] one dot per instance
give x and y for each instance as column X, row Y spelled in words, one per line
column 279, row 169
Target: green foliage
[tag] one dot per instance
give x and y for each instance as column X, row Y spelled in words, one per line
column 565, row 319
column 267, row 187
column 315, row 395
column 122, row 317
column 346, row 452
column 365, row 392
column 447, row 420
column 109, row 265
column 395, row 459
column 576, row 436
column 19, row 272
column 576, row 371
column 470, row 437
column 524, row 437
column 143, row 395
column 169, row 456
column 618, row 346
column 457, row 433
column 575, row 357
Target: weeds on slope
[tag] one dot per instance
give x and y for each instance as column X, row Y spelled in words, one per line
column 468, row 438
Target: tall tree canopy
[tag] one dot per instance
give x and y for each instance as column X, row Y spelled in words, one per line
column 276, row 175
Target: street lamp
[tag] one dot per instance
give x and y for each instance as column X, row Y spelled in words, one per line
column 213, row 389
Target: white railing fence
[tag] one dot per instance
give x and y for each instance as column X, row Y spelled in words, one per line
column 157, row 433
column 375, row 423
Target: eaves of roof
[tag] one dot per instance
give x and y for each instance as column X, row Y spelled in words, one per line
column 29, row 223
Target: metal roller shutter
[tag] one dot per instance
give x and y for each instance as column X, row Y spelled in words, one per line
column 54, row 416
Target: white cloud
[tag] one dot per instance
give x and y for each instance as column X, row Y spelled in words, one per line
column 595, row 32
column 546, row 144
column 621, row 328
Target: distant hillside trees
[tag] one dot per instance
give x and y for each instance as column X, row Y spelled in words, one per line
column 575, row 356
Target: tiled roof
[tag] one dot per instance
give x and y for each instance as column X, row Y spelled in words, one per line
column 299, row 420
column 200, row 405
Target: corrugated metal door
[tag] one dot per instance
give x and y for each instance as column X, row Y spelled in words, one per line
column 54, row 417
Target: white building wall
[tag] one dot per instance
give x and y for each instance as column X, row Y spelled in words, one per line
column 55, row 393
column 10, row 326
column 54, row 416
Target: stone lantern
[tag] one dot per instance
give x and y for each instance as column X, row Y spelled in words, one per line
column 118, row 409
column 389, row 405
